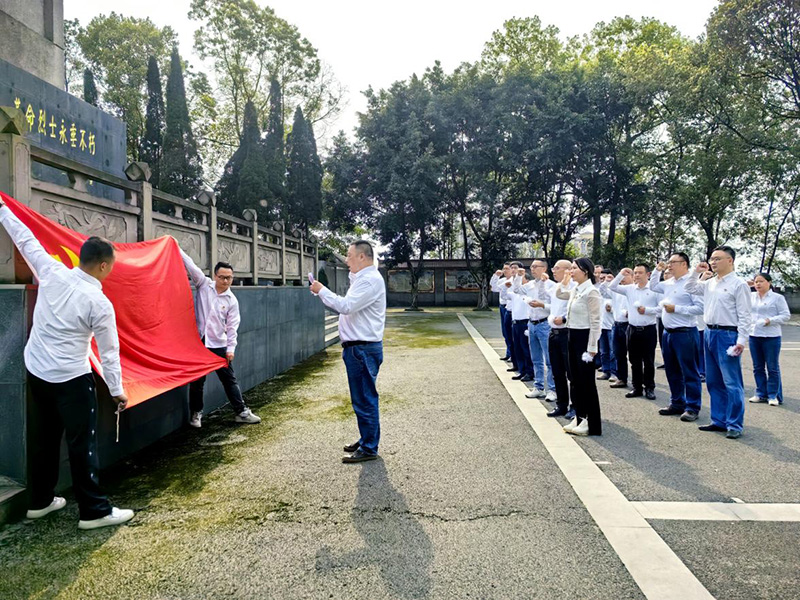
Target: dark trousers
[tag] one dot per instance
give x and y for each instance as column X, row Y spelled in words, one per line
column 701, row 363
column 583, row 388
column 228, row 379
column 681, row 350
column 362, row 363
column 69, row 407
column 522, row 350
column 619, row 340
column 508, row 334
column 506, row 337
column 558, row 349
column 642, row 352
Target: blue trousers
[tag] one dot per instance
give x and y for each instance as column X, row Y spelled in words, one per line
column 522, row 351
column 362, row 363
column 619, row 338
column 701, row 362
column 508, row 334
column 538, row 340
column 765, row 351
column 681, row 351
column 607, row 359
column 724, row 380
column 506, row 337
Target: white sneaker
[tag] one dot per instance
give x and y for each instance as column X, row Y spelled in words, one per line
column 551, row 396
column 571, row 425
column 57, row 504
column 757, row 400
column 247, row 416
column 613, row 379
column 197, row 417
column 536, row 393
column 774, row 402
column 582, row 429
column 118, row 516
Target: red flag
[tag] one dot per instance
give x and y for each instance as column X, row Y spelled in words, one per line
column 160, row 348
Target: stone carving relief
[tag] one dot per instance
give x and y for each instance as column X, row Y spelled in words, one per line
column 236, row 253
column 269, row 261
column 190, row 242
column 85, row 221
column 308, row 265
column 292, row 265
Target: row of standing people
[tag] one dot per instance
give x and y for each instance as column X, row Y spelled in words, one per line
column 702, row 319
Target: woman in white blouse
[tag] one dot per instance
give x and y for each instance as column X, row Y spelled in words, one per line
column 584, row 319
column 770, row 311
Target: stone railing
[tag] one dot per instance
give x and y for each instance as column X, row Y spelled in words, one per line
column 94, row 202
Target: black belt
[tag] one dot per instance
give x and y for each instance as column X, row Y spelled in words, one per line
column 723, row 327
column 640, row 327
column 532, row 322
column 679, row 329
column 357, row 343
column 620, row 323
column 520, row 320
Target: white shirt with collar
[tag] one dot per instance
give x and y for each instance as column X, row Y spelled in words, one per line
column 536, row 290
column 498, row 284
column 608, row 315
column 773, row 307
column 638, row 296
column 518, row 300
column 727, row 302
column 619, row 303
column 687, row 306
column 557, row 307
column 70, row 309
column 217, row 314
column 362, row 311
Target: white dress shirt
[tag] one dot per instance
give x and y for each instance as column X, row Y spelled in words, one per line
column 362, row 312
column 558, row 307
column 498, row 284
column 517, row 300
column 217, row 314
column 687, row 306
column 727, row 302
column 638, row 296
column 583, row 310
column 773, row 307
column 70, row 309
column 608, row 315
column 536, row 290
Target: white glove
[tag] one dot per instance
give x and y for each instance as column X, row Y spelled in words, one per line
column 586, row 357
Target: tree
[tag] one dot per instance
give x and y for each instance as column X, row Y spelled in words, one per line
column 304, row 175
column 90, row 94
column 274, row 156
column 118, row 49
column 151, row 149
column 233, row 196
column 523, row 45
column 182, row 173
column 74, row 61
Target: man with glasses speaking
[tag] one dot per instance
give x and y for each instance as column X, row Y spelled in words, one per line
column 217, row 312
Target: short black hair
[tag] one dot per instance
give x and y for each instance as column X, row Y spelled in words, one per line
column 539, row 259
column 365, row 247
column 587, row 266
column 506, row 264
column 96, row 250
column 647, row 267
column 766, row 276
column 727, row 250
column 607, row 272
column 222, row 265
column 516, row 263
column 683, row 256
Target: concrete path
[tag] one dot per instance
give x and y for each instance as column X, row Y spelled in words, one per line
column 467, row 501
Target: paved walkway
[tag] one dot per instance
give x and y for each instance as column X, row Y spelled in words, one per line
column 467, row 502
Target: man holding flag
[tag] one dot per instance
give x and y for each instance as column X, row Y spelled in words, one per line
column 70, row 309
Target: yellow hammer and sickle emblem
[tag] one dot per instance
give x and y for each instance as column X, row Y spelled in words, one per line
column 70, row 254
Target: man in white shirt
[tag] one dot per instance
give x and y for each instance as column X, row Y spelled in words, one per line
column 216, row 311
column 728, row 321
column 619, row 331
column 519, row 332
column 605, row 345
column 558, row 342
column 537, row 292
column 680, row 342
column 497, row 284
column 642, row 334
column 70, row 309
column 362, row 317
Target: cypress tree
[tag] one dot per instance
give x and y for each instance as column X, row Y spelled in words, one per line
column 151, row 149
column 90, row 94
column 274, row 155
column 181, row 171
column 304, row 177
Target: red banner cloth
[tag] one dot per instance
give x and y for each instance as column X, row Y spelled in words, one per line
column 160, row 348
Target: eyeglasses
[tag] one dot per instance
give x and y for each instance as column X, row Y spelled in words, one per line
column 224, row 277
column 675, row 262
column 717, row 258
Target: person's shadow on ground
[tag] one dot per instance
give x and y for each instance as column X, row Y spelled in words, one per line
column 393, row 538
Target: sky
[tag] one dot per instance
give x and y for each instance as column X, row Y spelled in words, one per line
column 374, row 43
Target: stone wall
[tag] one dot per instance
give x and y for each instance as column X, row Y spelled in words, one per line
column 33, row 37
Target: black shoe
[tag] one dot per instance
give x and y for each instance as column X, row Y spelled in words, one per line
column 528, row 378
column 712, row 427
column 518, row 377
column 619, row 384
column 650, row 394
column 558, row 412
column 358, row 456
column 511, row 369
column 634, row 394
column 670, row 410
column 661, row 367
column 352, row 447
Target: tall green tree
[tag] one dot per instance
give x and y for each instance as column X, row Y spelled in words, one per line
column 182, row 172
column 304, row 175
column 275, row 157
column 90, row 94
column 151, row 149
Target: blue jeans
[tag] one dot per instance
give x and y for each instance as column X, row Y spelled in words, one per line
column 538, row 340
column 506, row 337
column 607, row 358
column 765, row 351
column 362, row 363
column 509, row 336
column 681, row 351
column 724, row 380
column 522, row 351
column 701, row 362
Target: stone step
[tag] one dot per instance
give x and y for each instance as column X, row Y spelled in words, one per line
column 331, row 338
